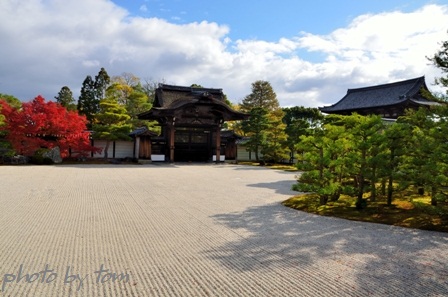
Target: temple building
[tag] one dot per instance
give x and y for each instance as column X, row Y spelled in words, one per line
column 191, row 121
column 387, row 100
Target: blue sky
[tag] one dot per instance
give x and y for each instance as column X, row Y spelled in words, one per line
column 267, row 19
column 310, row 51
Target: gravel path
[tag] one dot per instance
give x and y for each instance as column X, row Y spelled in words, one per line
column 195, row 230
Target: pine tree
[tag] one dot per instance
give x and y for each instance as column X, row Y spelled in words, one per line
column 367, row 141
column 65, row 98
column 112, row 123
column 88, row 105
column 274, row 148
column 325, row 162
column 92, row 92
column 102, row 81
column 440, row 60
column 262, row 96
column 299, row 121
column 255, row 127
column 262, row 105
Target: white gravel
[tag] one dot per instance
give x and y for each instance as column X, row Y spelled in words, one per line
column 196, row 230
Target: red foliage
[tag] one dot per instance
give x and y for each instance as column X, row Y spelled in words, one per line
column 40, row 124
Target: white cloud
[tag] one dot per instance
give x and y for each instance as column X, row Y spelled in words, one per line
column 49, row 44
column 144, row 8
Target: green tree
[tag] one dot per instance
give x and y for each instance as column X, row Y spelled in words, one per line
column 263, row 107
column 112, row 123
column 299, row 120
column 14, row 103
column 102, row 81
column 88, row 104
column 274, row 147
column 11, row 100
column 65, row 98
column 325, row 162
column 92, row 91
column 440, row 60
column 426, row 152
column 367, row 141
column 395, row 135
column 255, row 127
column 134, row 99
column 262, row 96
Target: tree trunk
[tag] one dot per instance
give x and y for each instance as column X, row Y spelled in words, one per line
column 421, row 191
column 256, row 153
column 434, row 196
column 390, row 189
column 373, row 185
column 390, row 186
column 323, row 199
column 106, row 149
column 361, row 182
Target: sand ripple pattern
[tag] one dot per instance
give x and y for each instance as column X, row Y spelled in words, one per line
column 196, row 230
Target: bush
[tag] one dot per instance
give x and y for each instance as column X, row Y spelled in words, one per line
column 39, row 159
column 48, row 161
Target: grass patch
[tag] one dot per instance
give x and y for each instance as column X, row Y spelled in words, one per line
column 406, row 210
column 285, row 167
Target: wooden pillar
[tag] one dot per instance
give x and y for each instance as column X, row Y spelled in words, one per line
column 149, row 147
column 218, row 143
column 137, row 147
column 171, row 140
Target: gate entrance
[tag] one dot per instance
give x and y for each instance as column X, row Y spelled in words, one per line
column 192, row 145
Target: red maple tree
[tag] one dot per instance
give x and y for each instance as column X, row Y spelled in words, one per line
column 39, row 124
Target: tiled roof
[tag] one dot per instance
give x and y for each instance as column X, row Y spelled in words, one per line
column 171, row 99
column 167, row 96
column 230, row 134
column 142, row 131
column 381, row 96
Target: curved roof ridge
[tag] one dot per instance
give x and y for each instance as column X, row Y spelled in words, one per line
column 416, row 87
column 379, row 96
column 188, row 89
column 388, row 85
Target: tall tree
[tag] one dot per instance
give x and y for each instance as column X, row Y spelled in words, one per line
column 395, row 135
column 325, row 162
column 255, row 127
column 299, row 120
column 149, row 88
column 367, row 139
column 92, row 92
column 102, row 81
column 425, row 163
column 262, row 105
column 65, row 98
column 135, row 100
column 88, row 104
column 126, row 78
column 112, row 123
column 440, row 60
column 39, row 124
column 275, row 147
column 262, row 96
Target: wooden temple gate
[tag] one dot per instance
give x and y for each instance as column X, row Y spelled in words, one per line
column 191, row 121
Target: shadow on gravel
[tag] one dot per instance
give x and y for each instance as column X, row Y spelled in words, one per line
column 360, row 259
column 281, row 186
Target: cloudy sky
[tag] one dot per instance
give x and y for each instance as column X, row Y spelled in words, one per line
column 310, row 51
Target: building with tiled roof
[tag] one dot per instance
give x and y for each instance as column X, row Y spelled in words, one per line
column 387, row 100
column 191, row 120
